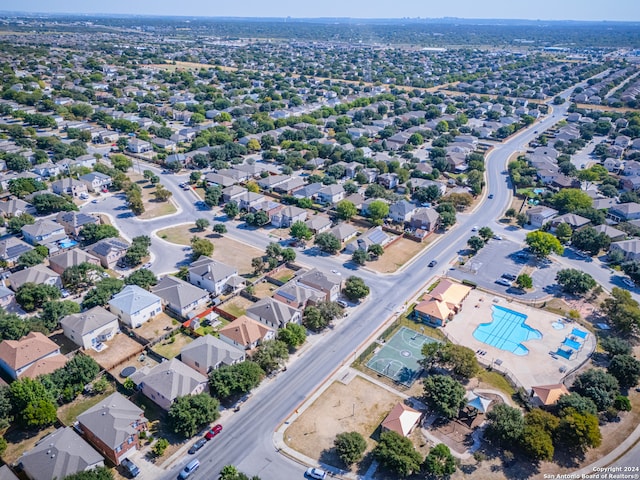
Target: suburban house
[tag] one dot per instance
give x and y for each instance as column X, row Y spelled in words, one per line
column 12, row 247
column 58, row 455
column 245, row 333
column 113, row 427
column 96, row 181
column 576, row 222
column 135, row 306
column 402, row 419
column 136, row 145
column 169, row 380
column 69, row 186
column 344, row 232
column 37, row 274
column 109, row 251
column 71, row 258
column 538, row 216
column 32, row 355
column 318, row 223
column 297, row 295
column 624, row 212
column 248, row 200
column 373, row 236
column 210, row 274
column 274, row 314
column 44, row 232
column 210, row 353
column 444, row 301
column 72, row 222
column 402, row 211
column 426, row 219
column 330, row 194
column 614, row 234
column 329, row 284
column 14, row 207
column 91, row 328
column 287, row 216
column 180, row 296
column 6, row 297
column 629, row 248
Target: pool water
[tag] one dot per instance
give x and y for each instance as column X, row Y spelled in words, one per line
column 557, row 325
column 506, row 331
column 68, row 244
column 571, row 344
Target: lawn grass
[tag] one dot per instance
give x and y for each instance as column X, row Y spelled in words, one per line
column 496, row 380
column 235, row 310
column 208, row 330
column 68, row 413
column 179, row 235
column 171, row 347
column 155, row 209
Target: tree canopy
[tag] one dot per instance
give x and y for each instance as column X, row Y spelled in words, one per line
column 444, row 394
column 543, row 243
column 397, row 454
column 190, row 413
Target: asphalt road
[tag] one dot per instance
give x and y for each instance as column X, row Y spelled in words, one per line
column 247, row 437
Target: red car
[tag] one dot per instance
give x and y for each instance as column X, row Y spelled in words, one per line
column 213, row 432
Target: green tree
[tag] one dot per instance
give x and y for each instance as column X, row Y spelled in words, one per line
column 30, row 258
column 579, row 431
column 159, row 447
column 235, row 380
column 271, row 354
column 53, row 311
column 350, row 447
column 457, row 358
column 31, row 296
column 300, row 231
column 376, row 250
column 378, row 210
column 202, row 224
column 485, row 233
column 190, row 413
column 397, row 454
column 571, row 199
column 346, row 209
column 327, row 243
column 212, row 196
column 475, row 243
column 293, row 335
column 505, row 426
column 575, row 281
column 16, row 223
column 615, row 346
column 91, row 233
column 524, row 281
column 288, row 254
column 563, row 232
column 313, row 319
column 543, row 243
column 46, row 203
column 355, row 288
column 440, row 462
column 102, row 292
column 622, row 310
column 33, row 404
column 589, row 240
column 21, row 187
column 40, row 413
column 162, row 194
column 220, row 228
column 360, row 257
column 626, row 369
column 200, row 247
column 121, row 162
column 231, row 209
column 444, row 395
column 143, row 277
column 575, row 402
column 599, row 386
column 138, row 250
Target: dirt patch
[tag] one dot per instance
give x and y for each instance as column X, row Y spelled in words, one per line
column 359, row 406
column 284, row 274
column 138, row 362
column 397, row 254
column 156, row 327
column 152, row 208
column 264, row 289
column 20, row 441
column 119, row 349
column 225, row 250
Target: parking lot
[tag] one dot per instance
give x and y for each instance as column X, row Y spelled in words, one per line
column 500, row 257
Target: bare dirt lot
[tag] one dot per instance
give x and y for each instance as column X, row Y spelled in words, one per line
column 397, row 254
column 156, row 327
column 119, row 348
column 152, row 208
column 359, row 406
column 237, row 306
column 225, row 249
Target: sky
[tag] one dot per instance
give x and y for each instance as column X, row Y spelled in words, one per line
column 626, row 10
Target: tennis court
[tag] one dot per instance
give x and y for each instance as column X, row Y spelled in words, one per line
column 398, row 358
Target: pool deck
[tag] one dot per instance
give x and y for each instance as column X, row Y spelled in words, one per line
column 538, row 367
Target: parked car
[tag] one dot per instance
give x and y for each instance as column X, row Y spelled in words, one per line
column 213, row 432
column 490, row 195
column 497, row 237
column 316, row 473
column 628, row 282
column 189, row 468
column 509, row 276
column 197, row 446
column 474, row 228
column 342, row 303
column 130, row 468
column 504, row 282
column 433, row 263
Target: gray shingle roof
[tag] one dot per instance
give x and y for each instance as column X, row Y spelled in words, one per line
column 272, row 311
column 211, row 269
column 170, row 379
column 58, row 455
column 177, row 292
column 88, row 321
column 112, row 419
column 132, row 299
column 209, row 351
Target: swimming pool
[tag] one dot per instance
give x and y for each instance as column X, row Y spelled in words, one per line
column 67, row 243
column 572, row 344
column 576, row 332
column 506, row 331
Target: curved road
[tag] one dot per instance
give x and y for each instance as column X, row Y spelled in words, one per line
column 247, row 439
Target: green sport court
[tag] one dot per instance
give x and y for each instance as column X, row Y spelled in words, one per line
column 398, row 358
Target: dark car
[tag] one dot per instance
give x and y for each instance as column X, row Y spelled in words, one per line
column 130, row 468
column 433, row 263
column 490, row 195
column 197, row 446
column 213, row 432
column 509, row 276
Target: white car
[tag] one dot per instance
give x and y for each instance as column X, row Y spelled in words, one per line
column 504, row 282
column 474, row 229
column 497, row 237
column 628, row 282
column 316, row 473
column 336, row 272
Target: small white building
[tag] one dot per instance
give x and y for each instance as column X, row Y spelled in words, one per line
column 135, row 306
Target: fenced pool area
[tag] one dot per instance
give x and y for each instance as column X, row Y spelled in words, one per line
column 506, row 331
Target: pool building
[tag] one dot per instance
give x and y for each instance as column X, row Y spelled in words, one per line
column 443, row 302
